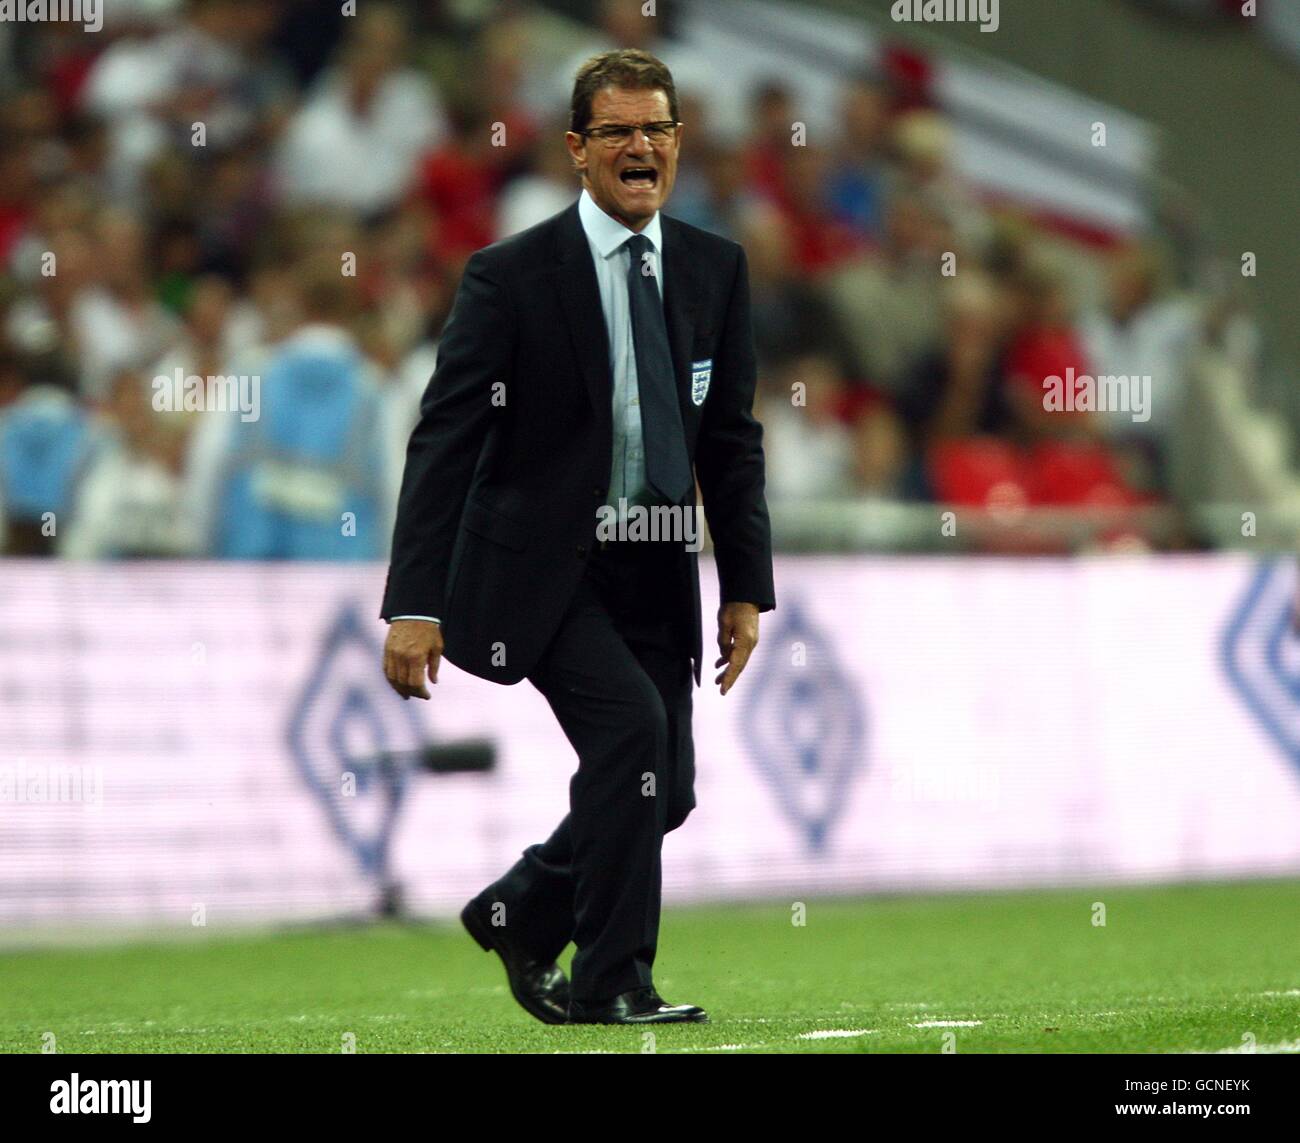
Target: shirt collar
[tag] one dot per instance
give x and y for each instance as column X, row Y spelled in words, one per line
column 608, row 234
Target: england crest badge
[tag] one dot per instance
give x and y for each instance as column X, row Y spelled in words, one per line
column 701, row 375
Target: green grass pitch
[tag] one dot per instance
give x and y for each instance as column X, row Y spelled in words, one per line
column 1174, row 969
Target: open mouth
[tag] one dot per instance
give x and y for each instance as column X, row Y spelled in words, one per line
column 639, row 178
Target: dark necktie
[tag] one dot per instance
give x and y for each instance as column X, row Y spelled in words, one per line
column 667, row 467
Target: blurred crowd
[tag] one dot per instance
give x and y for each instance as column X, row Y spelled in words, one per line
column 272, row 189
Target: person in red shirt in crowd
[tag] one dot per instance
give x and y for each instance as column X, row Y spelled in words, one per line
column 821, row 241
column 773, row 116
column 1044, row 344
column 796, row 176
column 1067, row 460
column 461, row 180
column 458, row 182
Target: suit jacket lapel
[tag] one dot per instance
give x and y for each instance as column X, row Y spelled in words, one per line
column 681, row 300
column 580, row 297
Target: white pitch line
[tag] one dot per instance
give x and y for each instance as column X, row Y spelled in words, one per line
column 837, row 1034
column 948, row 1024
column 1261, row 1049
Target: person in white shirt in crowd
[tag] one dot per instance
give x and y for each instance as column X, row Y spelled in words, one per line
column 923, row 142
column 219, row 328
column 357, row 140
column 131, row 502
column 119, row 321
column 162, row 77
column 42, row 320
column 809, row 449
column 1137, row 332
column 95, row 307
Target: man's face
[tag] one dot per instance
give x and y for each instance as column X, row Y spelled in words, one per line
column 632, row 180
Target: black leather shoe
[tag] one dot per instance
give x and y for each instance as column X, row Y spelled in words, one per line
column 640, row 1006
column 541, row 989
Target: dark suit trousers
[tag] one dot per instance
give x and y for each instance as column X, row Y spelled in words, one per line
column 618, row 677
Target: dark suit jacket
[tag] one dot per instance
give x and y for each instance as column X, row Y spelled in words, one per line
column 511, row 457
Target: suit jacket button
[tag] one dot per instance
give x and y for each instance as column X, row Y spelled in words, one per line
column 582, row 551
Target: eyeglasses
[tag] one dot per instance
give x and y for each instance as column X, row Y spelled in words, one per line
column 616, row 134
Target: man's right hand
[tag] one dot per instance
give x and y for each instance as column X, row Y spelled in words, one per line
column 412, row 647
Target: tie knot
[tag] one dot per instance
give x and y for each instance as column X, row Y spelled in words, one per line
column 643, row 263
column 638, row 246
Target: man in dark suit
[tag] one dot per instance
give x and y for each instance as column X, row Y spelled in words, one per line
column 587, row 366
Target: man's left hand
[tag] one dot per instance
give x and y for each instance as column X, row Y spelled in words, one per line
column 737, row 638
